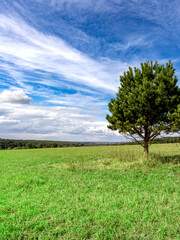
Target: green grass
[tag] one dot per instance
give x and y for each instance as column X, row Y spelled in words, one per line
column 90, row 193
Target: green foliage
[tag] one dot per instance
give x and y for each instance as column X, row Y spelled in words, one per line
column 77, row 193
column 175, row 117
column 19, row 144
column 29, row 145
column 146, row 103
column 54, row 145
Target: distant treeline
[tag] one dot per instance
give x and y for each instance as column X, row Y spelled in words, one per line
column 157, row 140
column 20, row 144
column 23, row 144
column 167, row 140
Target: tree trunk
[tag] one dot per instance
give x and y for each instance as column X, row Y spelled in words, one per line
column 146, row 150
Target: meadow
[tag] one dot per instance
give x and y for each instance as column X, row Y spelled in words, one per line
column 104, row 192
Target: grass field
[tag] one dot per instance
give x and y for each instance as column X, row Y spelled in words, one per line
column 90, row 193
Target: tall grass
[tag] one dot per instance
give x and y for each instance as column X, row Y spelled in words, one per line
column 123, row 158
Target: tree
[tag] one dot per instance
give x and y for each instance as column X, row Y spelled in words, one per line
column 146, row 103
column 54, row 145
column 29, row 145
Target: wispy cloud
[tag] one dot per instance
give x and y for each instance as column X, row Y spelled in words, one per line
column 92, row 5
column 93, row 104
column 133, row 42
column 164, row 13
column 30, row 49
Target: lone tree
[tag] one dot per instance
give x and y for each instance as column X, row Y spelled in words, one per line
column 146, row 103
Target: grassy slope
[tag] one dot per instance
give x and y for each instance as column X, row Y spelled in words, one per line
column 89, row 193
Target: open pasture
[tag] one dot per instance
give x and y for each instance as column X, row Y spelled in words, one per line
column 107, row 192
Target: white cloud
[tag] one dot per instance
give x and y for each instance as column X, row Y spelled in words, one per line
column 6, row 120
column 55, row 123
column 16, row 97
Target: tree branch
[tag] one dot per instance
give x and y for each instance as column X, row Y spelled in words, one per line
column 155, row 134
column 137, row 131
column 158, row 132
column 136, row 140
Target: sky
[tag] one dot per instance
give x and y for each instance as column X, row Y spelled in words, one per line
column 60, row 62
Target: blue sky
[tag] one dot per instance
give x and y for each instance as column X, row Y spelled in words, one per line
column 60, row 61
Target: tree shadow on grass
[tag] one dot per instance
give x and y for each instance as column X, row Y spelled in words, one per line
column 174, row 159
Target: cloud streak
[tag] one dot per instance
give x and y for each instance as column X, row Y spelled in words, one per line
column 30, row 49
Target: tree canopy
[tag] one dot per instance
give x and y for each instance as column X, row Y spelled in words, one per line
column 147, row 103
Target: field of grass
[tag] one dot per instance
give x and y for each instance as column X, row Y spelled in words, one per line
column 106, row 192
